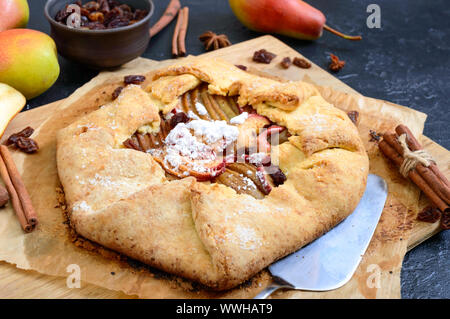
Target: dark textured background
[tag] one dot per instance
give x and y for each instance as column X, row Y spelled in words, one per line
column 406, row 62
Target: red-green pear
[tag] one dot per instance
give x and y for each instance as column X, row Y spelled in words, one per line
column 13, row 14
column 293, row 18
column 28, row 61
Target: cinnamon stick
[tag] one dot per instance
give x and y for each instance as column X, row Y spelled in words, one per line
column 26, row 226
column 414, row 145
column 169, row 14
column 176, row 33
column 183, row 29
column 19, row 186
column 395, row 157
column 427, row 174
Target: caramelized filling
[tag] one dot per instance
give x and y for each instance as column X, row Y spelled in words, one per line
column 243, row 177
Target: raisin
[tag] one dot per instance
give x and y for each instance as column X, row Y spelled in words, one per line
column 301, row 63
column 179, row 117
column 125, row 7
column 62, row 15
column 429, row 214
column 118, row 22
column 26, row 132
column 134, row 79
column 242, row 67
column 117, row 92
column 278, row 177
column 445, row 220
column 140, row 14
column 104, row 6
column 96, row 17
column 91, row 6
column 27, row 144
column 84, row 12
column 95, row 26
column 263, row 56
column 354, row 116
column 286, row 63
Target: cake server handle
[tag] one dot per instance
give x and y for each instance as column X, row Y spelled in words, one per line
column 275, row 285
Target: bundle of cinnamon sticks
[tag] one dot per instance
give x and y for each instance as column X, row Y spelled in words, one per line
column 424, row 173
column 18, row 194
column 179, row 34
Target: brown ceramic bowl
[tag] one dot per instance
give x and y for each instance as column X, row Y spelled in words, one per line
column 100, row 49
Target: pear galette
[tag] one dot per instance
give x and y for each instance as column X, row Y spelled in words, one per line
column 210, row 172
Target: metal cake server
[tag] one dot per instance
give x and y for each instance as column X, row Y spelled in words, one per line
column 330, row 261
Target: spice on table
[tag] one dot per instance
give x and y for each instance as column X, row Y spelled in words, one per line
column 407, row 153
column 286, row 63
column 263, row 56
column 213, row 41
column 27, row 145
column 445, row 220
column 22, row 141
column 242, row 67
column 20, row 198
column 117, row 92
column 4, row 196
column 374, row 136
column 183, row 30
column 179, row 34
column 354, row 116
column 133, row 79
column 168, row 15
column 429, row 215
column 301, row 63
column 335, row 64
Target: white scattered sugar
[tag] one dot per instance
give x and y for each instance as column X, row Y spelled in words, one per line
column 247, row 237
column 262, row 178
column 192, row 115
column 83, row 206
column 249, row 183
column 213, row 131
column 240, row 118
column 200, row 108
column 257, row 158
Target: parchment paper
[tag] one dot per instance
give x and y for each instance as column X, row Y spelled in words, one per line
column 50, row 248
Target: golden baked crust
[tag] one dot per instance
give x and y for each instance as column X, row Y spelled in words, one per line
column 207, row 232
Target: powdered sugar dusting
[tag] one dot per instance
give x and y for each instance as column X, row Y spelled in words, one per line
column 196, row 143
column 200, row 108
column 246, row 237
column 81, row 206
column 240, row 119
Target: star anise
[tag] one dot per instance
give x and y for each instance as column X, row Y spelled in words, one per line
column 335, row 64
column 214, row 41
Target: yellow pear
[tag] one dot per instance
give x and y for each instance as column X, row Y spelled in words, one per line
column 11, row 103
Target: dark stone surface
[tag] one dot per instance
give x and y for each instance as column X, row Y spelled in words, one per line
column 405, row 61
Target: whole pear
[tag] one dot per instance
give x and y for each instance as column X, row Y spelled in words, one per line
column 13, row 14
column 293, row 18
column 28, row 61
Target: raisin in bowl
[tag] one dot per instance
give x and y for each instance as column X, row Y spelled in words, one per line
column 114, row 39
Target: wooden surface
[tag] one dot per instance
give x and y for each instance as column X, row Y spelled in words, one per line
column 17, row 283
